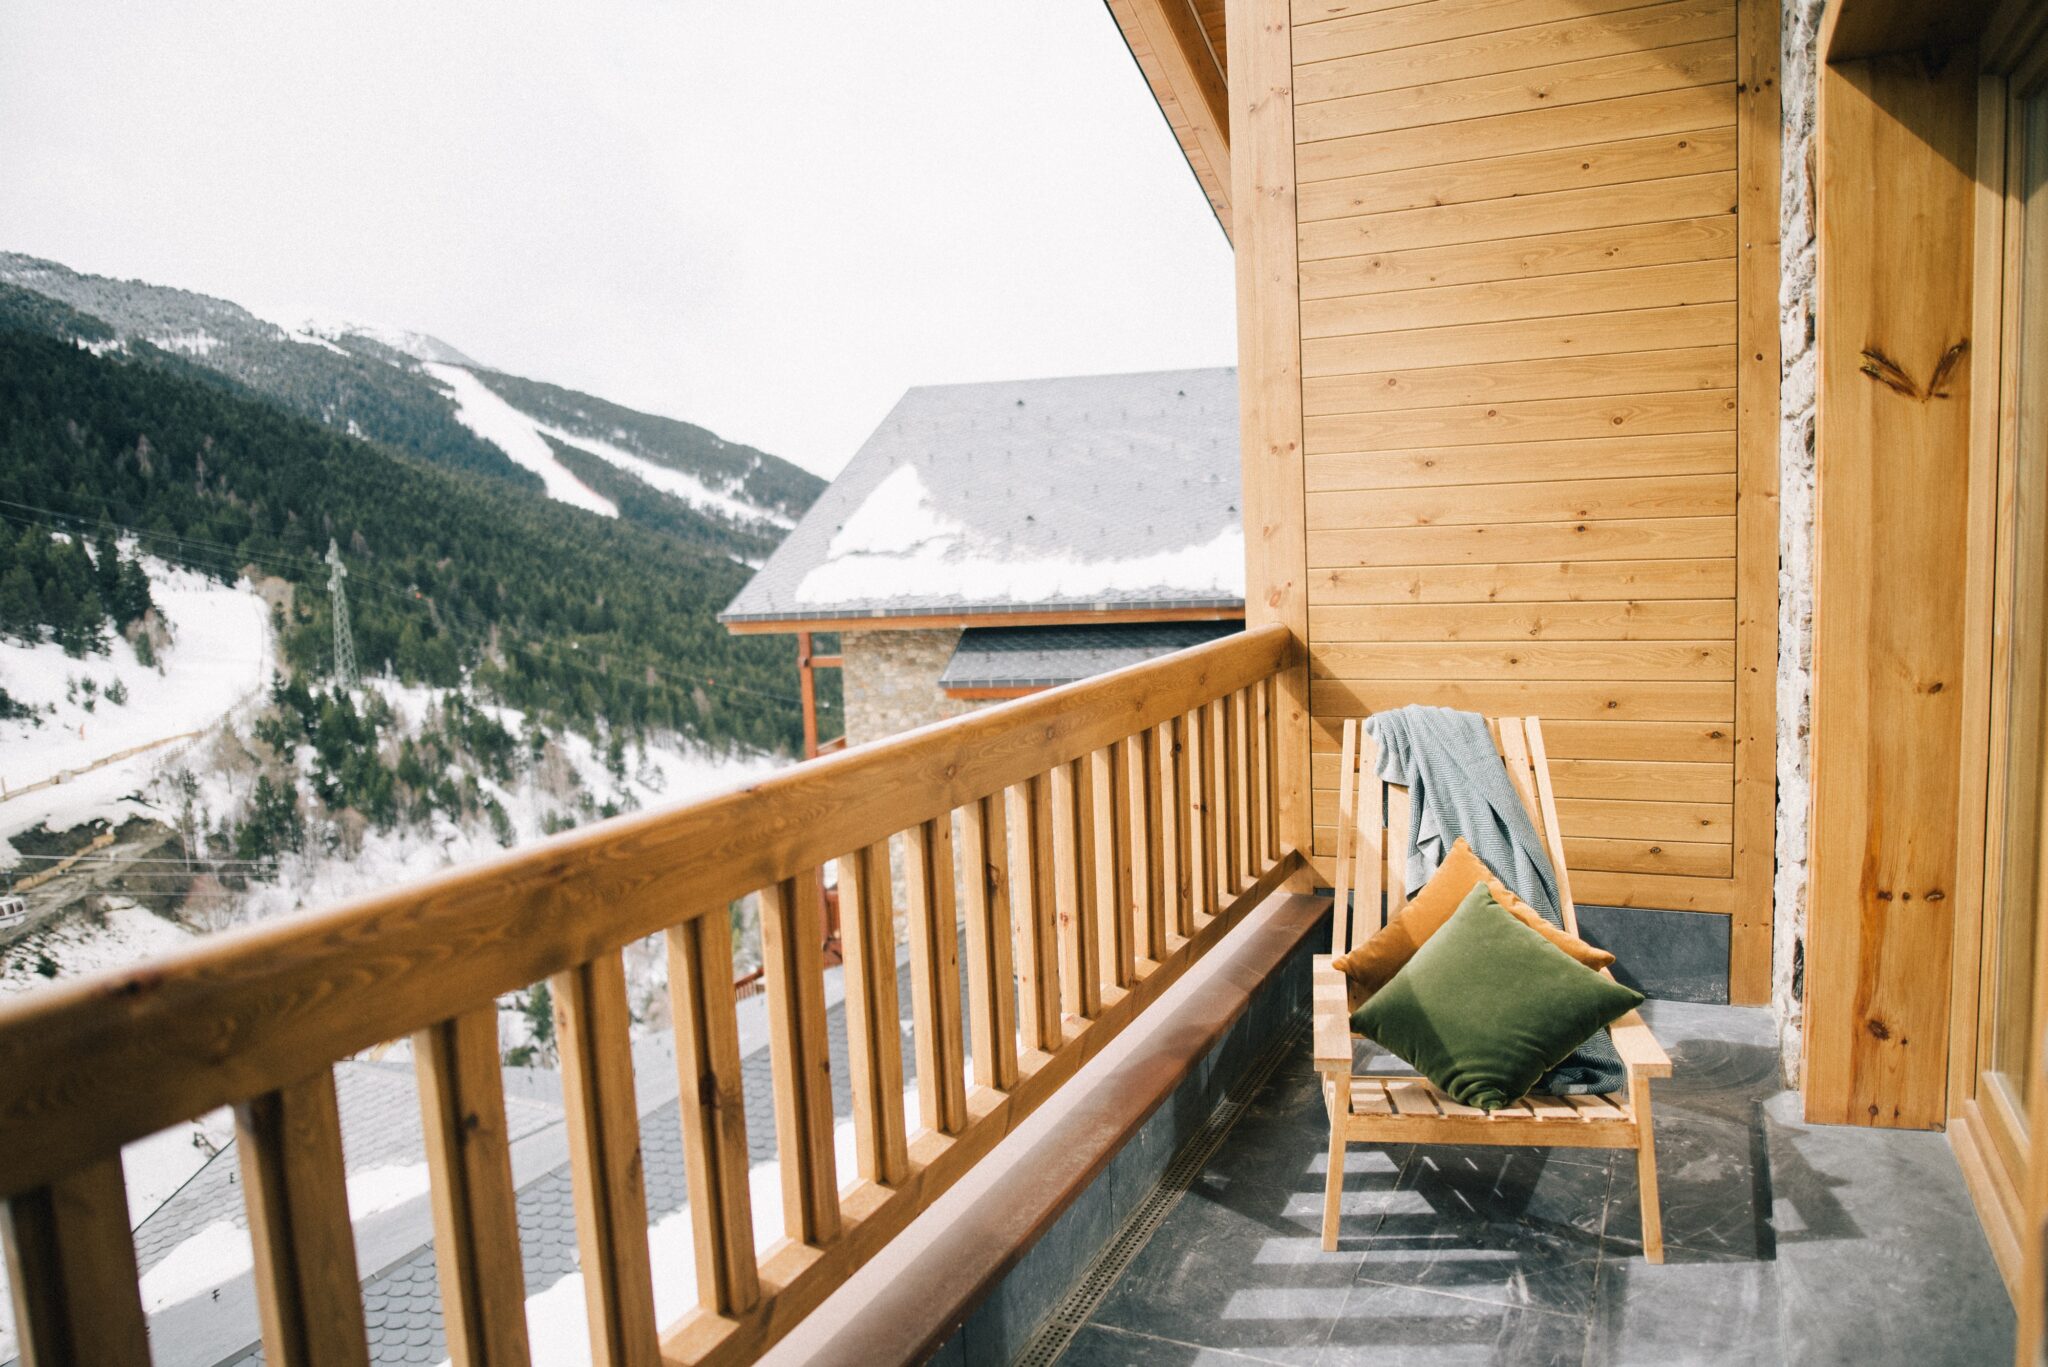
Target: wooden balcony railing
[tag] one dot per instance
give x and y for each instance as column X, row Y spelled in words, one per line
column 1113, row 830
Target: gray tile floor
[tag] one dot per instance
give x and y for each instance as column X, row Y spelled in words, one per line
column 1784, row 1243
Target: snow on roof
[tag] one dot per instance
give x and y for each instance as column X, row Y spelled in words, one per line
column 1089, row 492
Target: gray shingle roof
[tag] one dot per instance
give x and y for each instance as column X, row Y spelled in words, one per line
column 1032, row 657
column 1097, row 491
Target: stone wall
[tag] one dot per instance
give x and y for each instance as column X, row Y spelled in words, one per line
column 1796, row 227
column 891, row 680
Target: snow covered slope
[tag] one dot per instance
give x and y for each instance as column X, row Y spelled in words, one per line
column 512, row 432
column 85, row 753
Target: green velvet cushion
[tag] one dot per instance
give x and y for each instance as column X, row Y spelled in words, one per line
column 1487, row 1006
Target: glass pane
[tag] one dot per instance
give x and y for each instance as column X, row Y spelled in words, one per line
column 2016, row 908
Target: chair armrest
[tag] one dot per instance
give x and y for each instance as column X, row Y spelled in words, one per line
column 1638, row 1048
column 1332, row 1018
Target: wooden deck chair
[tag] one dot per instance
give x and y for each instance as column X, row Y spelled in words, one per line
column 1372, row 856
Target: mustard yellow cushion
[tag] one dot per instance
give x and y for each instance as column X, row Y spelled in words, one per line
column 1369, row 967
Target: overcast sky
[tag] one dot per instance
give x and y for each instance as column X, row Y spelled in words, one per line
column 769, row 218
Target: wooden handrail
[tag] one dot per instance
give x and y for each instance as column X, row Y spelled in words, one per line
column 1111, row 830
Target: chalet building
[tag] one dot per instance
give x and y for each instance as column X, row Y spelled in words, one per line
column 1666, row 380
column 991, row 540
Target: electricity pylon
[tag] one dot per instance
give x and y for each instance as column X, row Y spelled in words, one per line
column 344, row 643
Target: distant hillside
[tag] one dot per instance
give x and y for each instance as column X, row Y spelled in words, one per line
column 403, row 389
column 573, row 618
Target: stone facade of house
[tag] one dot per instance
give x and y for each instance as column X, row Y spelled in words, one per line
column 891, row 681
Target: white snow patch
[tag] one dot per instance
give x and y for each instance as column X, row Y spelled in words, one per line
column 219, row 658
column 310, row 338
column 898, row 544
column 688, row 488
column 77, row 946
column 512, row 432
column 194, row 343
column 216, row 1254
column 380, row 1189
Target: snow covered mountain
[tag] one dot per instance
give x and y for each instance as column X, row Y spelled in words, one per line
column 418, row 393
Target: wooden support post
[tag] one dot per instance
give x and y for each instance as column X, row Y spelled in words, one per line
column 1261, row 120
column 807, row 689
column 991, row 993
column 791, row 923
column 713, row 1111
column 476, row 1218
column 594, row 1026
column 71, row 1264
column 307, row 1293
column 1109, row 779
column 874, row 1017
column 935, row 977
column 1243, row 820
column 1031, row 864
column 1074, row 889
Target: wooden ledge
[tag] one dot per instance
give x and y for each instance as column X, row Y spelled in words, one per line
column 905, row 1303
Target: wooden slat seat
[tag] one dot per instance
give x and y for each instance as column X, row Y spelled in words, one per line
column 1400, row 1108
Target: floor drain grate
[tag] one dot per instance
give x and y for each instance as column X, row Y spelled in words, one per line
column 1059, row 1329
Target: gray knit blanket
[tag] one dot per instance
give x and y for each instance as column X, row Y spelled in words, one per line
column 1457, row 786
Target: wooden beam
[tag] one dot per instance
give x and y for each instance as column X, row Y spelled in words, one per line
column 1186, row 76
column 1855, row 29
column 1897, row 161
column 1269, row 379
column 1756, row 501
column 71, row 1265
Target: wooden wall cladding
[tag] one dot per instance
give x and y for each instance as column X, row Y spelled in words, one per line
column 1536, row 292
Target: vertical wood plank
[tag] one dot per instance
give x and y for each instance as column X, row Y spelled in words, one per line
column 1201, row 828
column 712, row 1102
column 594, row 1026
column 1221, row 805
column 1173, row 828
column 1262, row 173
column 1896, row 157
column 991, row 999
column 71, row 1268
column 874, row 1015
column 935, row 977
column 1546, row 822
column 1034, row 900
column 1074, row 885
column 1370, row 860
column 1400, row 839
column 469, row 1162
column 307, row 1291
column 1243, row 822
column 1262, row 774
column 1347, row 821
column 1148, row 846
column 1759, row 120
column 792, row 952
column 1109, row 778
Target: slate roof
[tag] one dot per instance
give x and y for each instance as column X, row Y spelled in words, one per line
column 1036, row 657
column 1088, row 492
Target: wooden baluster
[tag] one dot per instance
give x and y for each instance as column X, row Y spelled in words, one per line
column 793, row 953
column 1031, row 867
column 71, row 1261
column 1148, row 851
column 991, row 1000
column 1217, row 714
column 1201, row 842
column 714, row 1113
column 593, row 1026
column 1347, row 826
column 307, row 1293
column 1109, row 781
column 476, row 1219
column 1244, row 821
column 1073, row 841
column 935, row 977
column 1173, row 828
column 874, row 1015
column 1262, row 772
